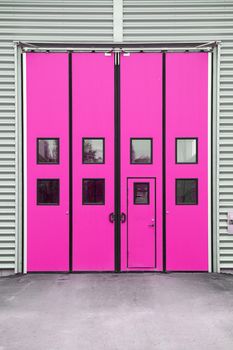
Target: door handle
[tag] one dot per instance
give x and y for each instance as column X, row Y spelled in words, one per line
column 111, row 217
column 123, row 218
column 152, row 223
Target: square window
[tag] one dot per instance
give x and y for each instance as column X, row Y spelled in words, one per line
column 48, row 191
column 187, row 191
column 141, row 151
column 141, row 193
column 93, row 151
column 47, row 151
column 186, row 150
column 93, row 191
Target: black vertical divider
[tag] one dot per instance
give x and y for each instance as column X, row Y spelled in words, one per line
column 70, row 166
column 164, row 156
column 117, row 172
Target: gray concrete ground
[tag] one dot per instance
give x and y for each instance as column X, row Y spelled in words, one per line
column 111, row 311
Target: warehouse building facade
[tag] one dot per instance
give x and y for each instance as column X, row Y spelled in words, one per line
column 176, row 58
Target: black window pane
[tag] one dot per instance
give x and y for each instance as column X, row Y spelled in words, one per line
column 141, row 151
column 47, row 151
column 48, row 192
column 93, row 151
column 93, row 191
column 186, row 191
column 141, row 193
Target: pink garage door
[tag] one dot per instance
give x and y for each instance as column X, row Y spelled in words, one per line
column 93, row 161
column 137, row 159
column 47, row 162
column 141, row 159
column 187, row 161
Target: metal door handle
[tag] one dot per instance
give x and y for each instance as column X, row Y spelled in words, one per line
column 123, row 217
column 152, row 224
column 111, row 217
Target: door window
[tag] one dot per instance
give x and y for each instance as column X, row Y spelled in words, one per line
column 47, row 151
column 141, row 151
column 93, row 150
column 186, row 191
column 48, row 191
column 186, row 150
column 141, row 193
column 93, row 191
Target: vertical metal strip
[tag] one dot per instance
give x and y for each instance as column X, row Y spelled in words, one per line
column 118, row 20
column 117, row 172
column 164, row 157
column 24, row 137
column 70, row 165
column 210, row 180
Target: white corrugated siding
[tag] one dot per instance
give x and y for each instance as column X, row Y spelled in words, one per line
column 205, row 20
column 29, row 20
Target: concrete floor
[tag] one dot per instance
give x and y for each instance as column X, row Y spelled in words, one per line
column 111, row 311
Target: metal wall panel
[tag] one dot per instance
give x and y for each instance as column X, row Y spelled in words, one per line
column 205, row 20
column 39, row 20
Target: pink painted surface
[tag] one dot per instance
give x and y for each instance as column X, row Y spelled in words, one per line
column 141, row 117
column 141, row 227
column 93, row 116
column 47, row 116
column 187, row 116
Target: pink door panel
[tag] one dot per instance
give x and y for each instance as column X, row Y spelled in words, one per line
column 47, row 162
column 93, row 161
column 141, row 146
column 141, row 226
column 187, row 161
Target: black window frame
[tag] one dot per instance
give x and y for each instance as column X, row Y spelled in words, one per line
column 151, row 149
column 176, row 147
column 134, row 192
column 197, row 192
column 93, row 138
column 37, row 151
column 47, row 179
column 95, row 178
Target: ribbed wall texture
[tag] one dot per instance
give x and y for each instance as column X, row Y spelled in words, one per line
column 35, row 20
column 205, row 20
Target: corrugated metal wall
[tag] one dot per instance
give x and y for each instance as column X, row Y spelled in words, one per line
column 205, row 20
column 35, row 20
column 92, row 20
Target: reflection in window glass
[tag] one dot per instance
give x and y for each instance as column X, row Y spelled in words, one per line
column 93, row 191
column 186, row 150
column 141, row 193
column 48, row 192
column 47, row 151
column 93, row 151
column 141, row 151
column 186, row 191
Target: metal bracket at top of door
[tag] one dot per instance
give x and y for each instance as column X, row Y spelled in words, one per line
column 117, row 58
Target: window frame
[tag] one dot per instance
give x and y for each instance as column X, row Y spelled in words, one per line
column 197, row 192
column 94, row 178
column 37, row 150
column 93, row 138
column 151, row 149
column 134, row 196
column 176, row 148
column 47, row 179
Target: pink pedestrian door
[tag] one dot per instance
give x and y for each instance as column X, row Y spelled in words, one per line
column 117, row 161
column 141, row 214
